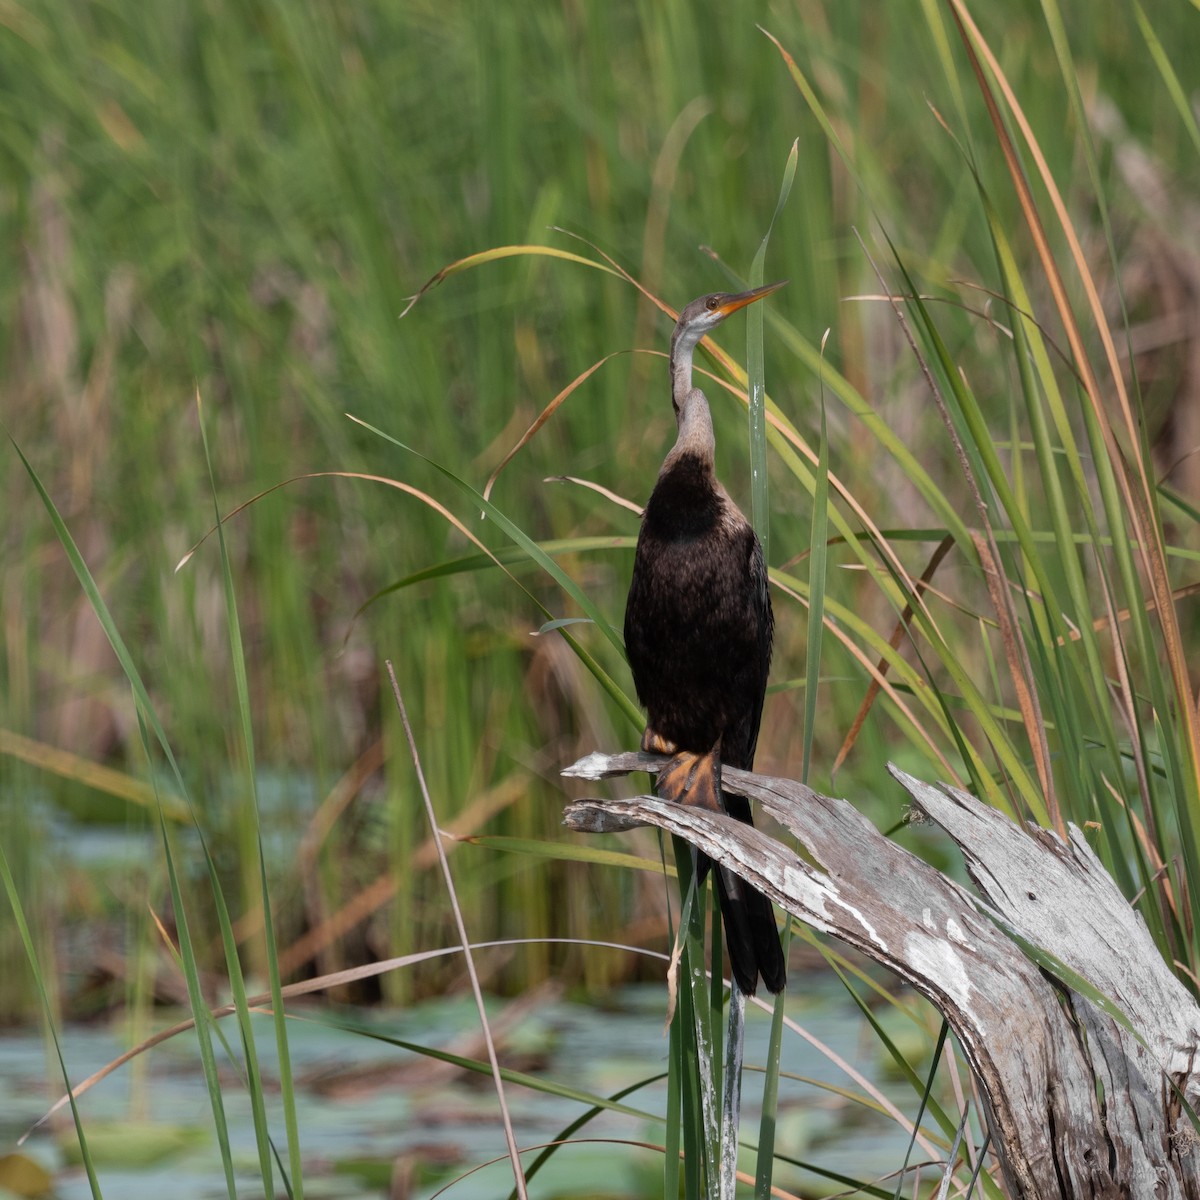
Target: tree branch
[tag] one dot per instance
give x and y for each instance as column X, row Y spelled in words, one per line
column 1037, row 1047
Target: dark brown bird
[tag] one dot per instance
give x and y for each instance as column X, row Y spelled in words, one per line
column 698, row 630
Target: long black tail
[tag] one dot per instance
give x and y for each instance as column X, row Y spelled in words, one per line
column 751, row 935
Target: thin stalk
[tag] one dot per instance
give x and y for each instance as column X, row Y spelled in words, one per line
column 468, row 957
column 731, row 1093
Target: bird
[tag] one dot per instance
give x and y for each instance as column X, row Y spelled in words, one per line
column 698, row 633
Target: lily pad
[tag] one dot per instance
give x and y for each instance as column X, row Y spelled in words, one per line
column 134, row 1143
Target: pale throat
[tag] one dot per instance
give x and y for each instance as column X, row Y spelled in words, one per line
column 691, row 406
column 683, row 345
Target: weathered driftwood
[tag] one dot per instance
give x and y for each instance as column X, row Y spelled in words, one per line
column 1078, row 1106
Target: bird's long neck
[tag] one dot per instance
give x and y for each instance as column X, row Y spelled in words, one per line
column 692, row 415
column 683, row 346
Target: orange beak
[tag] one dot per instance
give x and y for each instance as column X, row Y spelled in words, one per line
column 733, row 303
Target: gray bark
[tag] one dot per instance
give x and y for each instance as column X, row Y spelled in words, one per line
column 1039, row 1049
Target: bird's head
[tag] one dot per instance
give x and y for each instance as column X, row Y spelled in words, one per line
column 697, row 319
column 702, row 316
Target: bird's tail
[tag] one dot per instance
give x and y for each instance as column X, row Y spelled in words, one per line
column 751, row 936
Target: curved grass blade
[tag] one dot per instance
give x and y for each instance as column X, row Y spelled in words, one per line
column 564, row 1136
column 535, row 1083
column 505, row 557
column 561, row 623
column 535, row 552
column 567, row 852
column 517, row 535
column 544, row 416
column 91, row 774
column 308, row 987
column 494, row 255
column 619, row 697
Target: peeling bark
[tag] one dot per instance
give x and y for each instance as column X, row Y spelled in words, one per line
column 1038, row 1049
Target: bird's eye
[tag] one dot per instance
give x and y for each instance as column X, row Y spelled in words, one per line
column 711, row 303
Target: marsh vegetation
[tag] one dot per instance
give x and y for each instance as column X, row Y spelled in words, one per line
column 215, row 215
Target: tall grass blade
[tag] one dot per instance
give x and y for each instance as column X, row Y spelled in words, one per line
column 702, row 1048
column 948, row 1174
column 253, row 854
column 1131, row 478
column 756, row 371
column 100, row 609
column 14, row 900
column 253, row 1076
column 148, row 721
column 252, row 858
column 191, row 972
column 981, row 471
column 1170, row 79
column 819, row 551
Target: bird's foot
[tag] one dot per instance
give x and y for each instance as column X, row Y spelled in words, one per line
column 653, row 742
column 692, row 779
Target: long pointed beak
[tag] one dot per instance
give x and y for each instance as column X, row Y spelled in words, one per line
column 733, row 303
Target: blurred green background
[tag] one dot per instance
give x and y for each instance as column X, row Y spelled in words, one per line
column 233, row 200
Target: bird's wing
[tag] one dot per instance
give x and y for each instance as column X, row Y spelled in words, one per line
column 764, row 623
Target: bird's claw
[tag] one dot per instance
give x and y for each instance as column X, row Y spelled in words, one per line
column 692, row 779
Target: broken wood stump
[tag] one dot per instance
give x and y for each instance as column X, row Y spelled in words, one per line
column 1079, row 1105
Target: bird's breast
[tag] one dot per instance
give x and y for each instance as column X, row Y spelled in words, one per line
column 688, row 504
column 692, row 581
